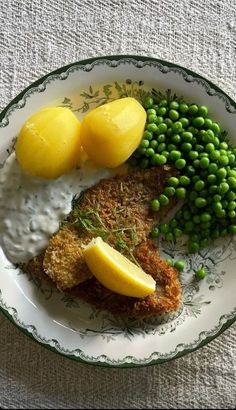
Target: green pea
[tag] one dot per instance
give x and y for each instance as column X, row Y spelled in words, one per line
column 196, row 163
column 204, row 163
column 213, row 167
column 141, row 151
column 148, row 135
column 152, row 118
column 163, row 103
column 164, row 228
column 217, row 207
column 162, row 128
column 153, row 144
column 155, row 205
column 161, row 138
column 204, row 242
column 169, row 191
column 198, row 122
column 184, row 121
column 158, row 159
column 163, row 199
column 211, row 179
column 152, row 127
column 169, row 236
column 183, row 107
column 190, row 170
column 193, row 130
column 161, row 111
column 213, row 189
column 173, row 181
column 200, row 274
column 231, row 196
column 144, row 144
column 149, row 152
column 223, row 188
column 215, row 234
column 205, row 217
column 168, row 122
column 155, row 232
column 232, row 229
column 174, row 155
column 179, row 265
column 217, row 198
column 223, row 160
column 180, row 163
column 208, row 122
column 199, row 185
column 177, row 126
column 232, row 182
column 151, row 111
column 203, row 111
column 224, row 145
column 215, row 128
column 210, row 147
column 186, row 136
column 186, row 146
column 193, row 247
column 174, row 105
column 200, row 202
column 177, row 232
column 231, row 205
column 184, row 180
column 170, row 261
column 231, row 158
column 174, row 115
column 199, row 147
column 148, row 103
column 232, row 214
column 176, row 139
column 193, row 155
column 193, row 109
column 214, row 155
column 161, row 147
column 171, row 147
column 180, row 193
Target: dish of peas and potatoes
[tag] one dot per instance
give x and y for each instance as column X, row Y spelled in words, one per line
column 121, row 210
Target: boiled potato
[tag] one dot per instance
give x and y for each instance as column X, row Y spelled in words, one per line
column 112, row 132
column 49, row 143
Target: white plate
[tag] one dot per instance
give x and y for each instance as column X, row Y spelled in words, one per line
column 69, row 326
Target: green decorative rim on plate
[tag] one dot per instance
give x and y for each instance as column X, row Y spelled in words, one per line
column 192, row 308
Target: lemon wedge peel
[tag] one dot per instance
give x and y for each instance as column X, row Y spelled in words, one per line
column 116, row 272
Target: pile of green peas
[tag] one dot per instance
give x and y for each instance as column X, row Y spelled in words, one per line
column 184, row 136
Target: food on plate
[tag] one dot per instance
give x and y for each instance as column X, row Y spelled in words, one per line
column 103, row 251
column 111, row 133
column 49, row 144
column 184, row 136
column 165, row 299
column 117, row 209
column 116, row 272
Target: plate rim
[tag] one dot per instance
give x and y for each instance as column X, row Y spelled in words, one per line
column 5, row 310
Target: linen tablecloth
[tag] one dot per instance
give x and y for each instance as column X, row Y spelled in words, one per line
column 39, row 36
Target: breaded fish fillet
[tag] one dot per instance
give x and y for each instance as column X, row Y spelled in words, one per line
column 117, row 209
column 165, row 299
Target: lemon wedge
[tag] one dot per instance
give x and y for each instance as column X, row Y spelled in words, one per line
column 116, row 272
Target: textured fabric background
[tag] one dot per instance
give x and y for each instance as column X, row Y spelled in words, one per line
column 38, row 36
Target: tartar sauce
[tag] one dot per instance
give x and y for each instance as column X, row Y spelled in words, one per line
column 31, row 209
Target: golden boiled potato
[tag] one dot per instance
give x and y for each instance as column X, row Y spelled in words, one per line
column 49, row 143
column 113, row 131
